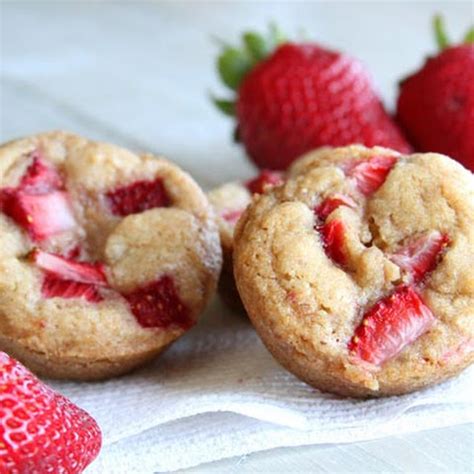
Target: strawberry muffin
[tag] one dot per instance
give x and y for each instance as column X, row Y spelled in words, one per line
column 229, row 201
column 106, row 257
column 357, row 272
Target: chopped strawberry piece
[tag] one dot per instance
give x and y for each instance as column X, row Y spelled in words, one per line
column 38, row 204
column 66, row 269
column 330, row 204
column 232, row 216
column 53, row 287
column 421, row 255
column 370, row 174
column 390, row 325
column 333, row 236
column 138, row 197
column 41, row 215
column 158, row 305
column 265, row 179
column 40, row 177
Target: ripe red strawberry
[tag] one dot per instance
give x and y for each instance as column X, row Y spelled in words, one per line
column 436, row 104
column 158, row 305
column 370, row 174
column 138, row 197
column 390, row 325
column 421, row 255
column 39, row 204
column 332, row 234
column 66, row 278
column 265, row 179
column 40, row 430
column 330, row 204
column 294, row 97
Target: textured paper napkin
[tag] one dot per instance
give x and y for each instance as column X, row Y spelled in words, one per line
column 218, row 393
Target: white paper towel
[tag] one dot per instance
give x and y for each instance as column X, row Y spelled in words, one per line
column 218, row 393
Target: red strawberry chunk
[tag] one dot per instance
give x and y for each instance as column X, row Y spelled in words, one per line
column 390, row 325
column 232, row 216
column 421, row 255
column 66, row 278
column 330, row 204
column 265, row 179
column 370, row 174
column 158, row 305
column 56, row 288
column 138, row 197
column 67, row 269
column 333, row 236
column 40, row 177
column 39, row 205
column 40, row 430
column 41, row 215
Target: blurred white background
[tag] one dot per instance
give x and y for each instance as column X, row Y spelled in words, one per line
column 139, row 73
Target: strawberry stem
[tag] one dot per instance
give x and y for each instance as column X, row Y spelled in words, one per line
column 441, row 37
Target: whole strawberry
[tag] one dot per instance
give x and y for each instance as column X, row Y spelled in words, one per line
column 291, row 98
column 436, row 104
column 40, row 430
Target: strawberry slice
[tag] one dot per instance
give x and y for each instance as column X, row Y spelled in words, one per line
column 390, row 325
column 53, row 287
column 67, row 269
column 158, row 305
column 232, row 216
column 41, row 431
column 41, row 215
column 138, row 197
column 330, row 204
column 40, row 177
column 370, row 174
column 422, row 254
column 264, row 180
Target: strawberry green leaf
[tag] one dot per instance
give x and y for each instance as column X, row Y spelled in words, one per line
column 232, row 65
column 440, row 33
column 227, row 107
column 256, row 45
column 469, row 37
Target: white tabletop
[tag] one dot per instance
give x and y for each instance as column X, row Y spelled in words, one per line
column 139, row 74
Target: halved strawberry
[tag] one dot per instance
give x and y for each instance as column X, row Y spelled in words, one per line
column 333, row 236
column 40, row 177
column 265, row 179
column 370, row 174
column 158, row 305
column 41, row 215
column 138, row 197
column 232, row 216
column 53, row 287
column 40, row 430
column 330, row 204
column 421, row 255
column 66, row 269
column 390, row 325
